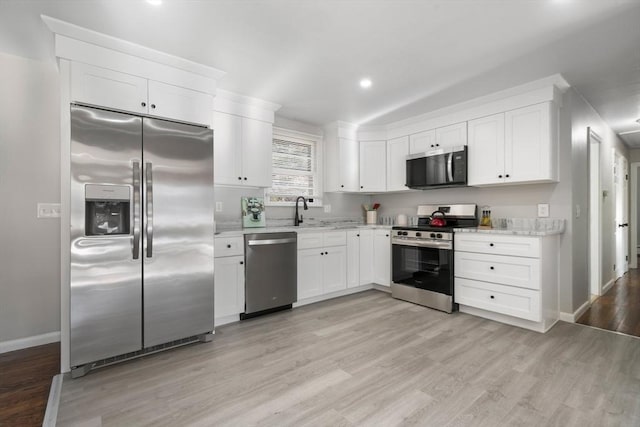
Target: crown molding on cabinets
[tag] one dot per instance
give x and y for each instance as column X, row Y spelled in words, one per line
column 245, row 106
column 341, row 129
column 75, row 32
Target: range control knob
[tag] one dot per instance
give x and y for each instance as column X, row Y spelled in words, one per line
column 418, row 234
column 404, row 233
column 399, row 233
column 432, row 235
column 439, row 236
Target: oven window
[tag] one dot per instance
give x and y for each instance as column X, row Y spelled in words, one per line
column 424, row 268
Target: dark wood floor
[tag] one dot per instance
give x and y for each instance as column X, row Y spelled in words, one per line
column 25, row 379
column 618, row 309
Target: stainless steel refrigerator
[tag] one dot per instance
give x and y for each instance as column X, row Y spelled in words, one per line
column 141, row 234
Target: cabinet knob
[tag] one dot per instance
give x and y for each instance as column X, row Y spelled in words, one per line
column 144, row 104
column 437, row 145
column 153, row 105
column 491, row 244
column 245, row 178
column 229, row 246
column 240, row 178
column 321, row 253
column 387, row 235
column 342, row 186
column 241, row 262
column 499, row 176
column 357, row 235
column 491, row 267
column 492, row 297
column 361, row 186
column 506, row 176
column 326, row 253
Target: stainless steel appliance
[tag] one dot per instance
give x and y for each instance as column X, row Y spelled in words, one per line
column 141, row 235
column 422, row 256
column 271, row 272
column 440, row 168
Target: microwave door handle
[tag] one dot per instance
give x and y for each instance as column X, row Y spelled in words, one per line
column 450, row 168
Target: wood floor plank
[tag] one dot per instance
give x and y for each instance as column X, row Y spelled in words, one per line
column 368, row 359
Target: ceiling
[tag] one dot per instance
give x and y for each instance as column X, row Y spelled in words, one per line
column 421, row 55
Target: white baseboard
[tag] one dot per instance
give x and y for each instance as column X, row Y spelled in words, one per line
column 608, row 286
column 336, row 294
column 572, row 317
column 20, row 343
column 51, row 413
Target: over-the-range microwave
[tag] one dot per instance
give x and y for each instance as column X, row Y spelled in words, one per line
column 437, row 169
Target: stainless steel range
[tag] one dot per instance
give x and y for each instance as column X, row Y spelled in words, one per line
column 422, row 271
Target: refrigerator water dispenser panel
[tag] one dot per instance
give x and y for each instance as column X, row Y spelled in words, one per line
column 106, row 210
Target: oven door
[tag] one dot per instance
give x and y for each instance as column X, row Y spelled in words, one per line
column 423, row 268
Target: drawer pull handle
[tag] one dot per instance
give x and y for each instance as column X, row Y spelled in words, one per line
column 241, row 262
column 228, row 246
column 492, row 297
column 491, row 267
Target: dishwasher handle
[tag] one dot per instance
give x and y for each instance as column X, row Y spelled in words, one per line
column 271, row 241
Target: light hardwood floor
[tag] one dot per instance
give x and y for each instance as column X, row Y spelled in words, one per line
column 367, row 359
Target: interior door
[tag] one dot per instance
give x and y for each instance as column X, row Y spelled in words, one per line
column 105, row 271
column 620, row 176
column 177, row 231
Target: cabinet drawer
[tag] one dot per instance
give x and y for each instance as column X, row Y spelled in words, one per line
column 497, row 244
column 310, row 240
column 335, row 238
column 228, row 246
column 517, row 302
column 507, row 270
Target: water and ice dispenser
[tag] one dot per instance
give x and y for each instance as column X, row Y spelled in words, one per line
column 107, row 210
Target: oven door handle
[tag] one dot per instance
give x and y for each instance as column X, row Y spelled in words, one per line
column 435, row 244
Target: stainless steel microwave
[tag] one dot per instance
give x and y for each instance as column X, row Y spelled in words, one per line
column 437, row 169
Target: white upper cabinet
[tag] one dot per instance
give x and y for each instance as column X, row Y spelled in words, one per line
column 515, row 147
column 397, row 151
column 423, row 141
column 530, row 144
column 451, row 136
column 373, row 164
column 179, row 103
column 121, row 91
column 348, row 165
column 486, row 150
column 242, row 151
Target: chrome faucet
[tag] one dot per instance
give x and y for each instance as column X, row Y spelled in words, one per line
column 298, row 220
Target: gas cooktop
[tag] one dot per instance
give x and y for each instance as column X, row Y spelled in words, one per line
column 455, row 216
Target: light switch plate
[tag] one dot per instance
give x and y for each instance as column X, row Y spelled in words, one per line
column 218, row 206
column 543, row 210
column 48, row 210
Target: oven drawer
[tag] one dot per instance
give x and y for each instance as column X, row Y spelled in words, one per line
column 498, row 244
column 516, row 302
column 506, row 270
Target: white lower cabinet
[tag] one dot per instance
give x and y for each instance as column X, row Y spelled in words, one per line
column 228, row 279
column 353, row 258
column 382, row 257
column 508, row 278
column 321, row 269
column 366, row 257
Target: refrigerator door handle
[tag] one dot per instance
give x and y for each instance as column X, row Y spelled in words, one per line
column 149, row 209
column 135, row 249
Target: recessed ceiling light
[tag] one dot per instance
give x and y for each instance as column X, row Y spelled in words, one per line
column 365, row 83
column 155, row 2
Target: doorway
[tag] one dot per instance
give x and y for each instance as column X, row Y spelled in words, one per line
column 595, row 211
column 621, row 188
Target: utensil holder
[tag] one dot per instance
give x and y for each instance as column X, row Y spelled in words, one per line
column 372, row 217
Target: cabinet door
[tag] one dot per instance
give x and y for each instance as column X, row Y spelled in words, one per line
column 528, row 144
column 382, row 257
column 107, row 88
column 366, row 257
column 353, row 258
column 451, row 136
column 397, row 151
column 256, row 152
column 373, row 165
column 310, row 268
column 486, row 150
column 229, row 286
column 423, row 141
column 349, row 165
column 227, row 148
column 180, row 103
column 334, row 272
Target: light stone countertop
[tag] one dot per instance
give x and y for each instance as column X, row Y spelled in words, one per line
column 299, row 229
column 521, row 227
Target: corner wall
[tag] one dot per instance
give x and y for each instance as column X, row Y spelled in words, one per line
column 29, row 173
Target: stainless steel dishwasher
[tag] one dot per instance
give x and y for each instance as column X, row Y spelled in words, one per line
column 271, row 272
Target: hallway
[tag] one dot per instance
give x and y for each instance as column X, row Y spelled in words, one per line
column 618, row 309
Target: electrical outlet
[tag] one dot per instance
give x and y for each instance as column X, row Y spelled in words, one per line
column 218, row 206
column 578, row 211
column 48, row 210
column 543, row 210
column 327, row 208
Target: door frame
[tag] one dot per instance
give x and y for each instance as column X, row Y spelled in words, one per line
column 595, row 215
column 633, row 216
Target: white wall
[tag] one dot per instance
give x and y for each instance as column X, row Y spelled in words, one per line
column 29, row 173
